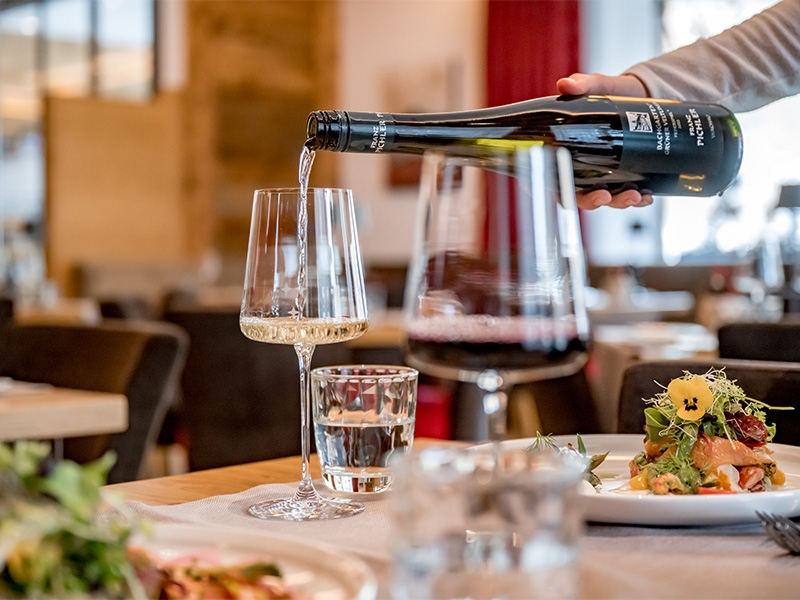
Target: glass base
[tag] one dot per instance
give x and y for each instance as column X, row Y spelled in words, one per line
column 317, row 509
column 357, row 481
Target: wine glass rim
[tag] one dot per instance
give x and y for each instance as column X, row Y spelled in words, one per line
column 296, row 190
column 375, row 371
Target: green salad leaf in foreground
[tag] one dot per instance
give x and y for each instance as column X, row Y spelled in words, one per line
column 52, row 543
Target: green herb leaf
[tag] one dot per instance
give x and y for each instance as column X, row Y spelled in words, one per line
column 654, row 422
column 581, row 446
column 257, row 570
column 542, row 442
column 596, row 460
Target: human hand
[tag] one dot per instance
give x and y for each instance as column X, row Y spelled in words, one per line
column 597, row 198
column 579, row 84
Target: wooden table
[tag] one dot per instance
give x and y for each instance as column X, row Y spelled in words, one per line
column 39, row 411
column 616, row 561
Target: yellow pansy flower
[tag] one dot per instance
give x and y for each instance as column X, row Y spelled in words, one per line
column 691, row 396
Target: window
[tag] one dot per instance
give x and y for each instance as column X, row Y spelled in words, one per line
column 708, row 229
column 101, row 48
column 715, row 230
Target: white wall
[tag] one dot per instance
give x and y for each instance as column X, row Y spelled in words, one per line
column 616, row 34
column 382, row 42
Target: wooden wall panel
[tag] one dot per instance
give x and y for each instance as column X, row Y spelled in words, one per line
column 114, row 183
column 256, row 69
column 173, row 179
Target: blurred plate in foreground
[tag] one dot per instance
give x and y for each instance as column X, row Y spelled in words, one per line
column 310, row 569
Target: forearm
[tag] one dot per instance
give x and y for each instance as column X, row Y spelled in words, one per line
column 743, row 68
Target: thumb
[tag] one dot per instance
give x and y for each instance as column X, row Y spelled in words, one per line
column 577, row 84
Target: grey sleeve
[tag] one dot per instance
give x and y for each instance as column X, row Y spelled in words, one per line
column 742, row 68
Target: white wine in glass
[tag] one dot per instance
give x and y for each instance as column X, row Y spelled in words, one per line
column 495, row 287
column 304, row 286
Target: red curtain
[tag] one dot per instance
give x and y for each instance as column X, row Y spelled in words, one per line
column 531, row 43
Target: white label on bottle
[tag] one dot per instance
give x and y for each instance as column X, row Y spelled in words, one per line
column 639, row 121
column 378, row 134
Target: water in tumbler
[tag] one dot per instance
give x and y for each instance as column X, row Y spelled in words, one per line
column 355, row 449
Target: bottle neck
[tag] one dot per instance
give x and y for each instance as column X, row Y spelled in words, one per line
column 341, row 131
column 375, row 133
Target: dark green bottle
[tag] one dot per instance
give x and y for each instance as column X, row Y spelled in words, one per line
column 659, row 146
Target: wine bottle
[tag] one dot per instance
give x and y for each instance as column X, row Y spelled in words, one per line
column 658, row 146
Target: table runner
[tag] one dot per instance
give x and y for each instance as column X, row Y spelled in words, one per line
column 367, row 533
column 615, row 561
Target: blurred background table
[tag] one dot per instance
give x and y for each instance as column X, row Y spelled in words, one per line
column 639, row 304
column 60, row 310
column 40, row 411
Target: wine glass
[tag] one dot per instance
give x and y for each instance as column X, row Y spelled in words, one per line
column 304, row 285
column 495, row 291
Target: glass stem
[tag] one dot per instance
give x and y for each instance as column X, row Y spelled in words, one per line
column 495, row 404
column 304, row 352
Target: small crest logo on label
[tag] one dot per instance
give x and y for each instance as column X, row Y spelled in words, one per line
column 639, row 121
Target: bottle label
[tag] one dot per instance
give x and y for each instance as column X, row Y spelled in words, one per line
column 370, row 132
column 378, row 134
column 662, row 136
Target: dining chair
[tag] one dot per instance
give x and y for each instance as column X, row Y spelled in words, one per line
column 774, row 383
column 126, row 307
column 142, row 360
column 760, row 341
column 240, row 398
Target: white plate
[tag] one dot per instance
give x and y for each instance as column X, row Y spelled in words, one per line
column 631, row 507
column 313, row 570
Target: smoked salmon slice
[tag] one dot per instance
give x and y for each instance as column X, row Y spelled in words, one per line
column 711, row 452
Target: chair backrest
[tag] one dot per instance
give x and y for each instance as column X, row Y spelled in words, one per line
column 241, row 399
column 760, row 341
column 6, row 313
column 775, row 383
column 142, row 360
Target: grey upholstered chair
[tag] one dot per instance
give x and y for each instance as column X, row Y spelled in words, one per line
column 775, row 383
column 241, row 399
column 142, row 360
column 760, row 341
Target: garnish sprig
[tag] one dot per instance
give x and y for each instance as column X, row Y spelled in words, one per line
column 546, row 443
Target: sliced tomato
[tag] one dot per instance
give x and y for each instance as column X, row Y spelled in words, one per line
column 710, row 491
column 750, row 477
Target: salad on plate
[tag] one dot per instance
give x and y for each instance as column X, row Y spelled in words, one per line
column 704, row 435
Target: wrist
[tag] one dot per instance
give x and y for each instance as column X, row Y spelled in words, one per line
column 631, row 85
